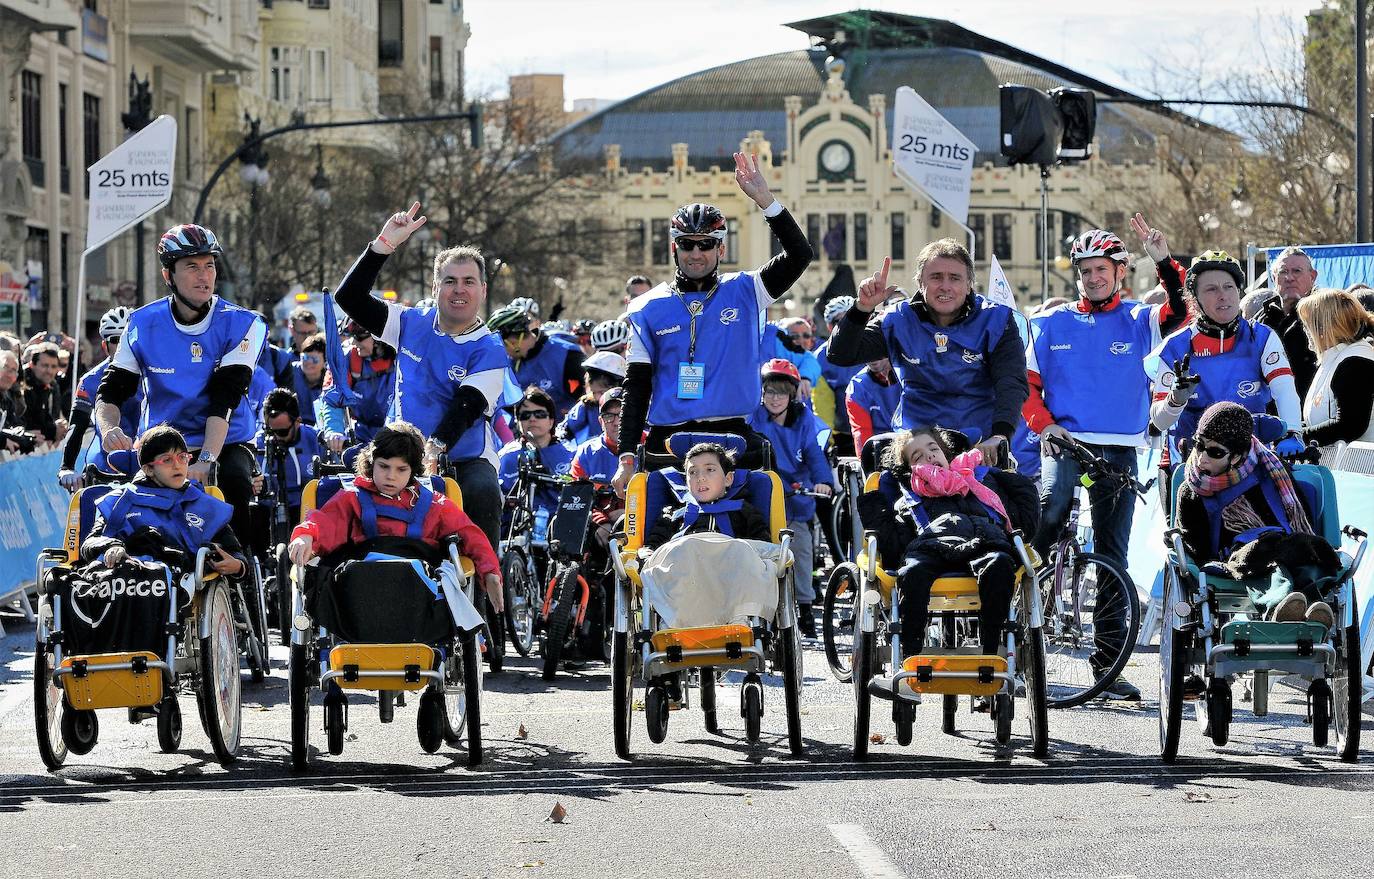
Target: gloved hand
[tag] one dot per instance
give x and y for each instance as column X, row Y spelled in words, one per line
column 1184, row 381
column 1290, row 446
column 70, row 480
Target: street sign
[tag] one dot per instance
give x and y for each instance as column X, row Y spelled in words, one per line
column 931, row 155
column 132, row 181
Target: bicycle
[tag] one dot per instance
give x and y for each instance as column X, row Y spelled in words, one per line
column 524, row 555
column 575, row 611
column 272, row 503
column 1080, row 589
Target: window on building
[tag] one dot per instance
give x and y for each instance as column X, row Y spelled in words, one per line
column 661, row 255
column 31, row 111
column 320, row 88
column 317, row 4
column 36, row 254
column 63, row 277
column 190, row 144
column 835, row 244
column 861, row 238
column 390, row 33
column 64, row 169
column 978, row 224
column 458, row 84
column 92, row 5
column 898, row 223
column 1001, row 236
column 1049, row 234
column 90, row 135
column 436, row 68
column 594, row 241
column 1070, row 225
column 634, row 243
column 286, row 74
column 813, row 232
column 731, row 241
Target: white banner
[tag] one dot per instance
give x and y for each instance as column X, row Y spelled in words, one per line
column 132, row 181
column 932, row 155
column 998, row 288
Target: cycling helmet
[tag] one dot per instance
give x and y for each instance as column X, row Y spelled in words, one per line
column 1213, row 260
column 778, row 368
column 527, row 306
column 186, row 240
column 556, row 326
column 610, row 334
column 835, row 308
column 697, row 219
column 584, row 327
column 509, row 320
column 1098, row 242
column 608, row 362
column 113, row 323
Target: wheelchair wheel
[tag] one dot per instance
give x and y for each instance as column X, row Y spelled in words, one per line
column 169, row 724
column 298, row 673
column 282, row 588
column 949, row 708
column 560, row 618
column 494, row 633
column 429, row 720
column 751, row 706
column 1347, row 690
column 838, row 620
column 622, row 692
column 1173, row 648
column 792, row 677
column 1037, row 707
column 522, row 601
column 219, row 693
column 48, row 706
column 904, row 718
column 656, row 713
column 1002, row 710
column 1319, row 704
column 80, row 730
column 708, row 699
column 865, row 645
column 335, row 718
column 463, row 699
column 1215, row 709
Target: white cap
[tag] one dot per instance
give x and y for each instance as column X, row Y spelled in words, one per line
column 606, row 361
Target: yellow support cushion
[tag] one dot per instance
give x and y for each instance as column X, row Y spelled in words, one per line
column 116, row 688
column 382, row 657
column 959, row 663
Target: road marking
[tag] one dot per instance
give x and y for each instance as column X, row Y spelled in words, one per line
column 872, row 861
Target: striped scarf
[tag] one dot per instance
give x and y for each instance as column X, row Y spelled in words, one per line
column 1240, row 516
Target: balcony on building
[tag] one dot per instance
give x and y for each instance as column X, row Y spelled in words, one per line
column 189, row 34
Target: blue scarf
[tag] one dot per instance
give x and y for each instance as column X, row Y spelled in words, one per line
column 719, row 511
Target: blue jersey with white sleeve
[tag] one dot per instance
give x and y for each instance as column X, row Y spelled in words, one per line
column 130, row 411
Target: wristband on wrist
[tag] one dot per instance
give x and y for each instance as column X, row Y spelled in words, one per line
column 387, row 246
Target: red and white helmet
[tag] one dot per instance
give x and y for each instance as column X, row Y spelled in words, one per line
column 779, row 368
column 1098, row 243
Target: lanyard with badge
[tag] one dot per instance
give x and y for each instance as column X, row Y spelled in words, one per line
column 691, row 376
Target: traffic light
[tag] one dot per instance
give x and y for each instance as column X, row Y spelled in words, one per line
column 1045, row 128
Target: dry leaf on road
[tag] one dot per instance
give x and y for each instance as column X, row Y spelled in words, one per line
column 558, row 814
column 522, row 733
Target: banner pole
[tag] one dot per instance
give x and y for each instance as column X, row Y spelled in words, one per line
column 74, row 371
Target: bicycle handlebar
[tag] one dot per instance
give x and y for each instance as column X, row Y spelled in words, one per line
column 1094, row 466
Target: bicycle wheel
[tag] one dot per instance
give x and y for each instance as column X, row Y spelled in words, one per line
column 560, row 620
column 837, row 620
column 522, row 601
column 1092, row 616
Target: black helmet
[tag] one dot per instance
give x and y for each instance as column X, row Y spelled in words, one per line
column 697, row 219
column 186, row 240
column 1214, row 260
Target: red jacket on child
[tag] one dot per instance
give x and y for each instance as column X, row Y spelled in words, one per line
column 339, row 523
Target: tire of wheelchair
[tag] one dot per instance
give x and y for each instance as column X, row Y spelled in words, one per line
column 1037, row 697
column 841, row 591
column 656, row 713
column 751, row 706
column 335, row 718
column 622, row 692
column 1319, row 700
column 80, row 730
column 219, row 669
column 1217, row 702
column 560, row 618
column 47, row 707
column 1348, row 690
column 470, row 725
column 1003, row 712
column 1173, row 650
column 298, row 674
column 708, row 699
column 169, row 724
column 430, row 720
column 865, row 645
column 949, row 708
column 792, row 677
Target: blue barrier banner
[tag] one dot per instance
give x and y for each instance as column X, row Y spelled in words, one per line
column 33, row 513
column 1337, row 265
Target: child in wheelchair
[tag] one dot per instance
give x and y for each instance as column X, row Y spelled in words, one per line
column 387, row 499
column 1242, row 516
column 710, row 471
column 162, row 509
column 950, row 515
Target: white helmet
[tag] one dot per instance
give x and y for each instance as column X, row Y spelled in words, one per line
column 836, row 307
column 527, row 305
column 609, row 334
column 113, row 323
column 606, row 361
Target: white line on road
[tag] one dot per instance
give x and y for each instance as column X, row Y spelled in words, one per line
column 872, row 861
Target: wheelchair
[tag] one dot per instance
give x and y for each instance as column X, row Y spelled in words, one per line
column 671, row 661
column 195, row 649
column 1213, row 633
column 443, row 664
column 952, row 664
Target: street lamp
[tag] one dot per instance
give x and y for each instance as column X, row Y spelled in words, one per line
column 319, row 192
column 1209, row 221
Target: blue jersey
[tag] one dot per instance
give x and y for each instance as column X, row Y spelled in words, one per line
column 432, row 365
column 871, row 406
column 944, row 371
column 305, row 394
column 595, row 462
column 373, row 382
column 1091, row 369
column 130, row 412
column 188, row 518
column 556, row 458
column 808, row 365
column 175, row 363
column 545, row 370
column 837, row 377
column 727, row 354
column 1025, row 449
column 582, row 422
column 300, row 461
column 797, row 457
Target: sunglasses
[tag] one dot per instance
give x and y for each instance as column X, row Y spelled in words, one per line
column 1216, row 452
column 312, row 358
column 167, row 459
column 796, row 336
column 702, row 244
column 533, row 413
column 281, row 432
column 359, row 337
column 514, row 334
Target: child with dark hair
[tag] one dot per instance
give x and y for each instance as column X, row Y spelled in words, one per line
column 161, row 507
column 710, row 472
column 387, row 500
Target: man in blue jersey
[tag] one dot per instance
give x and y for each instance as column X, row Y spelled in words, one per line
column 828, row 397
column 450, row 369
column 695, row 344
column 1085, row 363
column 957, row 355
column 297, row 443
column 113, row 323
column 193, row 354
column 551, row 363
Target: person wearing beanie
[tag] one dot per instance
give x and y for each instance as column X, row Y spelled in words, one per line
column 1239, row 506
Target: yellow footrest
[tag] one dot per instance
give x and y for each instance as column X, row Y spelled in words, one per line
column 103, row 687
column 382, row 657
column 956, row 686
column 705, row 638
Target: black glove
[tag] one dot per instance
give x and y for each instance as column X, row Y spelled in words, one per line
column 1184, row 381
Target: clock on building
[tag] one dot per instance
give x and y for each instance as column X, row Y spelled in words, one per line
column 837, row 158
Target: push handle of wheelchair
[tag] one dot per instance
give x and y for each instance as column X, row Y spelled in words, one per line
column 1353, row 533
column 798, row 490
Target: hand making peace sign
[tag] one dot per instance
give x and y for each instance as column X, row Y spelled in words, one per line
column 751, row 180
column 398, row 228
column 1156, row 245
column 874, row 290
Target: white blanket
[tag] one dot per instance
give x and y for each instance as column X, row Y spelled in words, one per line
column 465, row 615
column 711, row 580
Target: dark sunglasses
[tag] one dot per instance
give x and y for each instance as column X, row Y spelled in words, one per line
column 1216, row 452
column 513, row 334
column 360, row 336
column 533, row 413
column 802, row 335
column 702, row 244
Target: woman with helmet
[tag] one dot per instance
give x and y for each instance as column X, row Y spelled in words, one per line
column 1220, row 356
column 194, row 355
column 113, row 323
column 828, row 397
column 601, row 372
column 792, row 430
column 551, row 363
column 372, row 377
column 611, row 335
column 694, row 340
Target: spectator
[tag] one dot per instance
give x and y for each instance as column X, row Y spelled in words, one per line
column 43, row 413
column 11, row 394
column 1252, row 305
column 303, row 326
column 1339, row 402
column 636, row 285
column 1295, row 277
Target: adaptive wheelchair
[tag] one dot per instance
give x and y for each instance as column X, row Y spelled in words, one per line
column 672, row 660
column 191, row 646
column 1213, row 633
column 376, row 617
column 952, row 664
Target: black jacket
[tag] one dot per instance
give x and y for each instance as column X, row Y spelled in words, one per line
column 1301, row 358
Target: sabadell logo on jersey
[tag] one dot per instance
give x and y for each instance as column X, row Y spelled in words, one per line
column 729, row 316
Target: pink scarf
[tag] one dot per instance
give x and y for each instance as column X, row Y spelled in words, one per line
column 927, row 480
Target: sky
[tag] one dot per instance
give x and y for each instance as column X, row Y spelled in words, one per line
column 614, row 49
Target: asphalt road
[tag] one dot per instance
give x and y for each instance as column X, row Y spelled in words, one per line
column 697, row 805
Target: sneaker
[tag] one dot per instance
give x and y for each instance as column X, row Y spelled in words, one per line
column 1320, row 612
column 1122, row 690
column 1292, row 609
column 806, row 620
